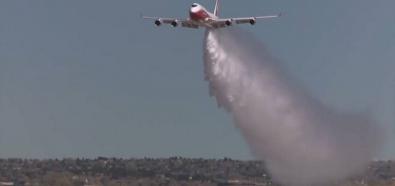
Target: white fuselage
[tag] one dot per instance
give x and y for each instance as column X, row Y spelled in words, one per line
column 200, row 15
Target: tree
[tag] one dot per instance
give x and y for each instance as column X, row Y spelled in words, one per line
column 58, row 179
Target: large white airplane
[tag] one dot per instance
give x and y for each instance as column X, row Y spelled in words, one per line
column 199, row 16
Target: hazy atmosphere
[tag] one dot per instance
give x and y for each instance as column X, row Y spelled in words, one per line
column 90, row 78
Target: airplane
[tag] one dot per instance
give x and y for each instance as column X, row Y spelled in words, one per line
column 199, row 16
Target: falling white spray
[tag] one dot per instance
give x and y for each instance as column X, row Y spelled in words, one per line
column 300, row 139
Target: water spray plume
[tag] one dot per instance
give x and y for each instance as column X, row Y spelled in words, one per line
column 301, row 140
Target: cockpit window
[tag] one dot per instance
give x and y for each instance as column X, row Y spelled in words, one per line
column 194, row 5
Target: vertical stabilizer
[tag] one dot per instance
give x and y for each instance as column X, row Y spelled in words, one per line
column 216, row 9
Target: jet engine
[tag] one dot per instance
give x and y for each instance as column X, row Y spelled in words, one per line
column 174, row 23
column 252, row 21
column 158, row 22
column 228, row 22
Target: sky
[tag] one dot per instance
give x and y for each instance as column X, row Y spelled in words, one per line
column 90, row 78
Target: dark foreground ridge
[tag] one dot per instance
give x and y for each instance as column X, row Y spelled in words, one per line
column 172, row 171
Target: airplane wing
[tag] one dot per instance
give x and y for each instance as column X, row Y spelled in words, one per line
column 173, row 22
column 252, row 20
column 220, row 23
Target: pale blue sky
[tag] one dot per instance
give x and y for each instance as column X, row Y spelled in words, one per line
column 90, row 78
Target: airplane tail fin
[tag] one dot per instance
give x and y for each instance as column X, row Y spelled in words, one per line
column 216, row 9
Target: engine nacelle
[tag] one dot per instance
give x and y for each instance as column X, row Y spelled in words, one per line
column 228, row 22
column 174, row 23
column 252, row 21
column 158, row 22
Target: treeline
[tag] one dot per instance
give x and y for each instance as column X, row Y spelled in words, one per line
column 147, row 171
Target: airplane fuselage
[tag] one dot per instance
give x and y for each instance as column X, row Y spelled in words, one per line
column 199, row 13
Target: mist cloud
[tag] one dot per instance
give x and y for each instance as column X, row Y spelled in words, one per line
column 301, row 140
